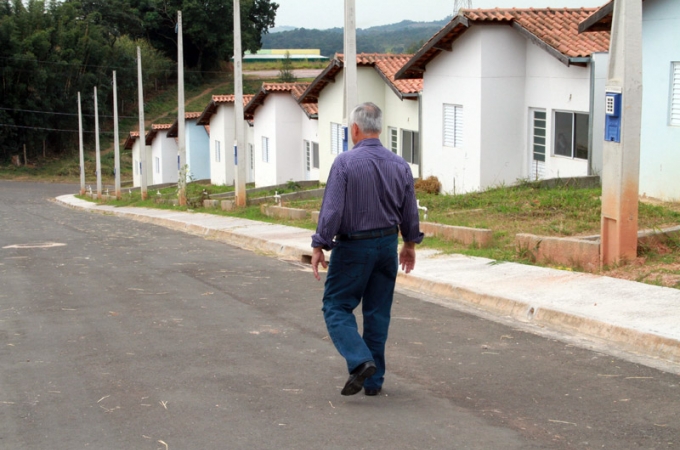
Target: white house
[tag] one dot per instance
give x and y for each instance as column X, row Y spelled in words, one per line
column 507, row 95
column 197, row 146
column 133, row 143
column 660, row 132
column 164, row 157
column 398, row 99
column 284, row 134
column 219, row 120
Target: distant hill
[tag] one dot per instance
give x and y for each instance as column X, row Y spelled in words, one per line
column 403, row 37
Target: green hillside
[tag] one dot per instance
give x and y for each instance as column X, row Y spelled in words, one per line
column 403, row 37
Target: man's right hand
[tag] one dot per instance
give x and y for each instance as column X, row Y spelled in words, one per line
column 318, row 257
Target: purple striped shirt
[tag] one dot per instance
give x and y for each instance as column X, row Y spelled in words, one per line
column 368, row 188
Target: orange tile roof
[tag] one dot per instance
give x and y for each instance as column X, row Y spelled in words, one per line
column 387, row 65
column 155, row 128
column 556, row 30
column 204, row 118
column 600, row 20
column 130, row 140
column 295, row 89
column 174, row 129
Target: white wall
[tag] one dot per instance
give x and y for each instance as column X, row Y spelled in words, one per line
column 218, row 121
column 600, row 69
column 453, row 78
column 164, row 148
column 553, row 86
column 402, row 115
column 290, row 160
column 372, row 88
column 265, row 126
column 310, row 132
column 330, row 111
column 503, row 136
column 660, row 142
column 136, row 159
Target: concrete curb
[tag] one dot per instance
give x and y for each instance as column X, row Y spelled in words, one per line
column 526, row 294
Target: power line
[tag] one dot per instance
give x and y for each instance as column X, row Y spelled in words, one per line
column 62, row 114
column 50, row 129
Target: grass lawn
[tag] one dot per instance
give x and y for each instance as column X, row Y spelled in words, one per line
column 526, row 208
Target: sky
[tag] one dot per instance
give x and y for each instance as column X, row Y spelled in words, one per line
column 322, row 14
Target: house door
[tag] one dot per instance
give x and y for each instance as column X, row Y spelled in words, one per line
column 537, row 144
column 251, row 166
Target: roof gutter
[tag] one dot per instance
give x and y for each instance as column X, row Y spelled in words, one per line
column 580, row 60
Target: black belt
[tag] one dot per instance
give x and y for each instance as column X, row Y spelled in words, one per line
column 370, row 234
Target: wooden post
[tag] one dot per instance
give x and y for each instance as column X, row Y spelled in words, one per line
column 25, row 157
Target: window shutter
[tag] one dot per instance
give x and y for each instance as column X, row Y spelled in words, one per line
column 453, row 126
column 675, row 95
column 459, row 127
column 335, row 139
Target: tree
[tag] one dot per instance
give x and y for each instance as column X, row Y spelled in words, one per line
column 207, row 27
column 286, row 74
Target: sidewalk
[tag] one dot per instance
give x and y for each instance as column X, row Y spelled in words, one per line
column 640, row 320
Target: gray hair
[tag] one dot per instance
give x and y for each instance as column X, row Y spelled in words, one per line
column 368, row 118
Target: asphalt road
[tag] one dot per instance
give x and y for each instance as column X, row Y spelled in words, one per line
column 116, row 334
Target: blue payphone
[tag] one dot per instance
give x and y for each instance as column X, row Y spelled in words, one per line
column 612, row 110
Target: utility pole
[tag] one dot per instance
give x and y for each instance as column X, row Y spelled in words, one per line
column 350, row 51
column 116, row 142
column 97, row 147
column 80, row 146
column 142, row 130
column 181, row 136
column 621, row 151
column 239, row 146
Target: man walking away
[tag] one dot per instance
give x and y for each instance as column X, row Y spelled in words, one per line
column 369, row 198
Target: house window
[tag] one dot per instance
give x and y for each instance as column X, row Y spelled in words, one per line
column 157, row 163
column 393, row 137
column 410, row 146
column 315, row 155
column 539, row 134
column 250, row 152
column 571, row 135
column 265, row 149
column 675, row 95
column 453, row 126
column 218, row 150
column 336, row 138
column 308, row 155
column 311, row 155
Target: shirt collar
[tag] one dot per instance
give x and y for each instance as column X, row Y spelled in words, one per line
column 371, row 142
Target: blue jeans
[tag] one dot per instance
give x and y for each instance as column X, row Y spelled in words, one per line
column 361, row 270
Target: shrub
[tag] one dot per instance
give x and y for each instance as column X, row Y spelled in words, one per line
column 430, row 185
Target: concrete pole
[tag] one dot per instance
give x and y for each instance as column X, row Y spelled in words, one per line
column 142, row 128
column 350, row 51
column 97, row 147
column 80, row 147
column 116, row 139
column 181, row 132
column 239, row 146
column 621, row 160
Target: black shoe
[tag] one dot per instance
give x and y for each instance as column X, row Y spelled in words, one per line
column 372, row 392
column 357, row 378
